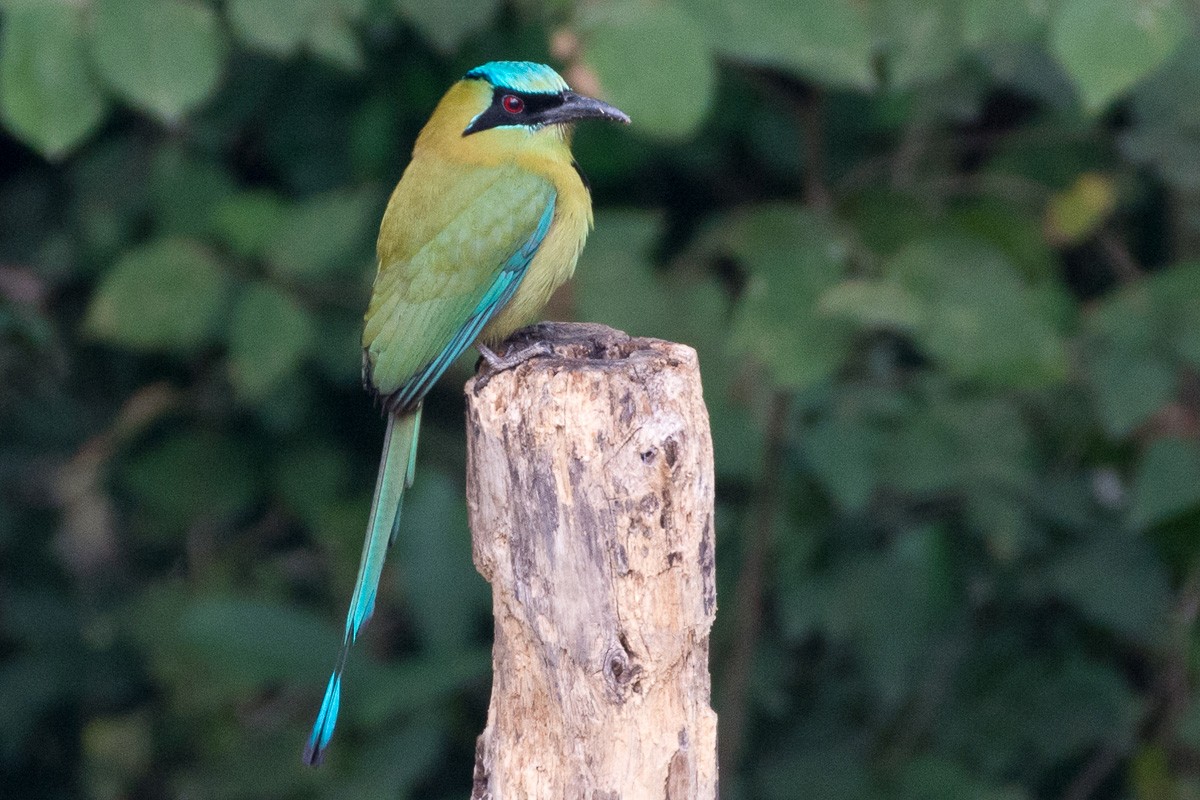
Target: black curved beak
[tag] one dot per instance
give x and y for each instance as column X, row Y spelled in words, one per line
column 575, row 107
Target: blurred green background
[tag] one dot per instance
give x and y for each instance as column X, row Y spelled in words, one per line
column 941, row 262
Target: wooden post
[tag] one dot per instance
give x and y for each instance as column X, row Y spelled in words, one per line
column 590, row 491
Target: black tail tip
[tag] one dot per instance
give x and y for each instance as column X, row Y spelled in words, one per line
column 313, row 755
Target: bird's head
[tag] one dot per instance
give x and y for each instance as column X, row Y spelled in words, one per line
column 505, row 105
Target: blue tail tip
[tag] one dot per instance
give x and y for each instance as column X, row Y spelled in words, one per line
column 322, row 732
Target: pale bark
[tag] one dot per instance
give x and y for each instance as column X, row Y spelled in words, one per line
column 590, row 489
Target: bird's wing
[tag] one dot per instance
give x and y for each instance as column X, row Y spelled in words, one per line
column 447, row 265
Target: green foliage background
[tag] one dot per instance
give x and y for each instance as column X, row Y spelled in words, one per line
column 941, row 262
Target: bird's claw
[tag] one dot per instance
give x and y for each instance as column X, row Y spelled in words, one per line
column 506, row 362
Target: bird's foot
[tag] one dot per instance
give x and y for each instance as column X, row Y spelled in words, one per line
column 510, row 360
column 500, row 364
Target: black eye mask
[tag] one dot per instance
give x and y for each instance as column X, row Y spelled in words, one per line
column 536, row 110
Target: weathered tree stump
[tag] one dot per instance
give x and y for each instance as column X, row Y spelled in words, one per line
column 590, row 490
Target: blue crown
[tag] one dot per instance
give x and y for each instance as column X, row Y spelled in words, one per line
column 520, row 76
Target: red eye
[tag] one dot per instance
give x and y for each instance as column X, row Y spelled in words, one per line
column 512, row 104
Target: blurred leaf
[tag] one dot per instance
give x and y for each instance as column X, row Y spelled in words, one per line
column 828, row 770
column 1189, row 724
column 974, row 449
column 1120, row 584
column 250, row 643
column 986, row 22
column 845, row 454
column 39, row 618
column 290, row 406
column 1108, row 45
column 923, row 456
column 994, row 436
column 791, row 257
column 1131, row 368
column 374, row 135
column 31, row 685
column 873, row 304
column 1173, row 292
column 1167, row 482
column 1170, row 96
column 977, row 451
column 1077, row 213
column 323, row 235
column 117, row 750
column 47, row 97
column 616, row 279
column 1056, row 163
column 922, row 38
column 981, row 322
column 446, row 24
column 390, row 765
column 1165, row 108
column 417, row 682
column 825, row 39
column 338, row 351
column 259, row 762
column 348, row 10
column 1151, row 774
column 1187, row 338
column 192, row 473
column 247, row 222
column 1028, row 68
column 1003, row 521
column 110, row 212
column 890, row 607
column 937, row 778
column 644, row 55
column 1128, row 317
column 309, row 478
column 335, row 41
column 888, row 220
column 282, row 27
column 1170, row 150
column 163, row 56
column 167, row 295
column 1016, row 233
column 186, row 191
column 340, row 526
column 448, row 598
column 1025, row 712
column 276, row 26
column 1129, row 387
column 268, row 336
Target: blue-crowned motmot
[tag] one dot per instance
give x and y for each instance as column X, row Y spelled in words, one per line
column 486, row 222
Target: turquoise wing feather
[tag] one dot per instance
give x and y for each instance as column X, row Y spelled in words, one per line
column 494, row 299
column 399, row 452
column 434, row 280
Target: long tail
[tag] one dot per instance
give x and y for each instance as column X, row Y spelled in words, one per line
column 395, row 475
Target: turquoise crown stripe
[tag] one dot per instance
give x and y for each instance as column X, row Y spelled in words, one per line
column 520, row 76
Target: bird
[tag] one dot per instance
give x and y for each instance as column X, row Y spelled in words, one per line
column 488, row 219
